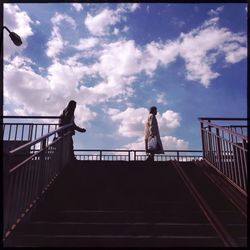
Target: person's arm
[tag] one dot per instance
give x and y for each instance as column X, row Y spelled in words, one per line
column 82, row 130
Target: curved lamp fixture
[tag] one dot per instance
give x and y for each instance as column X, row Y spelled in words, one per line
column 16, row 39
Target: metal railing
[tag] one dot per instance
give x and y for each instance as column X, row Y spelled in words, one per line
column 18, row 130
column 135, row 155
column 28, row 177
column 225, row 148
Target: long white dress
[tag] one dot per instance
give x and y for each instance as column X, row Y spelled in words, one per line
column 152, row 129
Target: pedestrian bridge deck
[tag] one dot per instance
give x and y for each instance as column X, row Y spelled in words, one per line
column 120, row 203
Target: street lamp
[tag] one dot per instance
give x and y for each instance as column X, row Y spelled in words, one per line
column 16, row 39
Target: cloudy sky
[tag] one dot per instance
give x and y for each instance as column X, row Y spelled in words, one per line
column 117, row 60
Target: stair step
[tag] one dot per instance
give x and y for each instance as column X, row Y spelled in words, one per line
column 126, row 204
column 115, row 228
column 126, row 240
column 195, row 216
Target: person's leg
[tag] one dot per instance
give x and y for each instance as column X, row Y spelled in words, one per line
column 150, row 157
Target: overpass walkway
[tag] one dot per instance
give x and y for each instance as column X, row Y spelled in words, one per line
column 107, row 198
column 109, row 203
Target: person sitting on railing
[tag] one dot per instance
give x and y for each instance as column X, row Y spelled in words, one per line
column 153, row 144
column 68, row 117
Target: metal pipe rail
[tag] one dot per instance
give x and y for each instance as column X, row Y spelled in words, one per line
column 18, row 130
column 26, row 182
column 40, row 139
column 135, row 155
column 226, row 151
column 214, row 221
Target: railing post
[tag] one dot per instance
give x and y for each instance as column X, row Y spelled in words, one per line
column 178, row 155
column 244, row 143
column 100, row 155
column 219, row 148
column 129, row 155
column 202, row 138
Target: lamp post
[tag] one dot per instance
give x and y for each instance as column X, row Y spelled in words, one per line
column 16, row 39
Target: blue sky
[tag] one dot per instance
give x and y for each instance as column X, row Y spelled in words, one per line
column 117, row 60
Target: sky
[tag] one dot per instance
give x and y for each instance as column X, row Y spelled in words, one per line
column 118, row 60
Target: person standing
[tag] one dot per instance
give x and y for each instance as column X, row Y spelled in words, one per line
column 68, row 117
column 152, row 130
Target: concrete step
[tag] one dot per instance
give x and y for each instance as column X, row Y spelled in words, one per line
column 125, row 204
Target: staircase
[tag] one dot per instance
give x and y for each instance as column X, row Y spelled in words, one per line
column 129, row 204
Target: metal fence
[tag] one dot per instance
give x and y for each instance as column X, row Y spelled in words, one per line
column 135, row 155
column 225, row 148
column 30, row 168
column 18, row 130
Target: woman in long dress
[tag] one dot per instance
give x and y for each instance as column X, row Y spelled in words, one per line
column 152, row 130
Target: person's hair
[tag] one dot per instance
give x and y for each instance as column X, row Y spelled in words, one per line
column 72, row 103
column 70, row 107
column 152, row 109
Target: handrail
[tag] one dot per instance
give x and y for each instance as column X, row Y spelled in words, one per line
column 30, row 117
column 27, row 181
column 32, row 156
column 138, row 150
column 214, row 221
column 134, row 155
column 226, row 151
column 223, row 119
column 29, row 144
column 225, row 129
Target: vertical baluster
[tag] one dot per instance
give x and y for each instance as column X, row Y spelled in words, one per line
column 22, row 132
column 241, row 166
column 229, row 159
column 245, row 163
column 16, row 126
column 10, row 132
column 31, row 182
column 223, row 153
column 235, row 163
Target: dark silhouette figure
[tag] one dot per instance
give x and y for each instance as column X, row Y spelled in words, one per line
column 152, row 130
column 68, row 117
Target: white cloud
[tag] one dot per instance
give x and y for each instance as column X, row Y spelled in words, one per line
column 216, row 12
column 127, row 7
column 156, row 54
column 77, row 6
column 197, row 45
column 173, row 143
column 19, row 22
column 29, row 93
column 56, row 42
column 83, row 115
column 119, row 58
column 234, row 53
column 168, row 143
column 116, row 31
column 58, row 18
column 169, row 120
column 132, row 121
column 125, row 29
column 116, row 65
column 99, row 25
column 160, row 98
column 88, row 43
